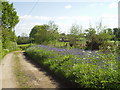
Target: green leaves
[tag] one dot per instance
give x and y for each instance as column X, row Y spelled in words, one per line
column 9, row 16
column 44, row 33
column 88, row 72
column 9, row 19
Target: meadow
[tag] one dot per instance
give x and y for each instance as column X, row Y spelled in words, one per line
column 87, row 69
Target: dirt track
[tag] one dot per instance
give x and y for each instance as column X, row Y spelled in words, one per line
column 7, row 76
column 36, row 77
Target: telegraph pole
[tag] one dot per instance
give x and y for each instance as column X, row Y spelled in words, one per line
column 119, row 22
column 119, row 14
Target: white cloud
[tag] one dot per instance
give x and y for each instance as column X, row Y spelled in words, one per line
column 64, row 22
column 110, row 16
column 83, row 18
column 68, row 6
column 95, row 4
column 110, row 20
column 113, row 5
column 35, row 17
column 25, row 28
column 92, row 5
column 62, row 0
column 62, row 17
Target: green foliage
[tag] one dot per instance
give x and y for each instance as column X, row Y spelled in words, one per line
column 25, row 46
column 116, row 32
column 4, row 52
column 53, row 28
column 7, row 39
column 75, row 35
column 34, row 31
column 75, row 29
column 44, row 33
column 13, row 46
column 24, row 40
column 95, row 41
column 9, row 16
column 8, row 21
column 100, row 71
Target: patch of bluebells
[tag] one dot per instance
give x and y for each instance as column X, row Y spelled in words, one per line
column 66, row 51
column 76, row 62
column 83, row 56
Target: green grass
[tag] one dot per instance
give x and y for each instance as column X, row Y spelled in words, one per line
column 24, row 46
column 20, row 74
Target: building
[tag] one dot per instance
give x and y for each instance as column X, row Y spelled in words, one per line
column 119, row 14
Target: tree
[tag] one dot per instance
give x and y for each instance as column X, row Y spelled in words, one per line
column 45, row 33
column 9, row 16
column 34, row 30
column 95, row 41
column 92, row 39
column 110, row 31
column 5, row 38
column 116, row 32
column 24, row 39
column 75, row 29
column 75, row 33
column 8, row 19
column 42, row 35
column 100, row 28
column 53, row 28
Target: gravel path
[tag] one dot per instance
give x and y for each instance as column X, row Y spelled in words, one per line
column 36, row 77
column 7, row 77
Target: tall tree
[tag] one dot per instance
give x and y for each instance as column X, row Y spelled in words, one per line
column 42, row 34
column 75, row 29
column 9, row 16
column 45, row 33
column 53, row 28
column 34, row 31
column 8, row 19
column 116, row 32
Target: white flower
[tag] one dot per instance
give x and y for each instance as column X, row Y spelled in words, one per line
column 83, row 51
column 89, row 52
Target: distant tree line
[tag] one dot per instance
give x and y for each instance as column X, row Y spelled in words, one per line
column 92, row 38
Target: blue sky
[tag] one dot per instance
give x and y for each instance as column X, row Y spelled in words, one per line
column 64, row 14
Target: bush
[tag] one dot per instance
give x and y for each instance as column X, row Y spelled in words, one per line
column 108, row 46
column 25, row 46
column 84, row 68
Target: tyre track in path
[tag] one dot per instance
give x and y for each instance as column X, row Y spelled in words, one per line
column 7, row 77
column 16, row 71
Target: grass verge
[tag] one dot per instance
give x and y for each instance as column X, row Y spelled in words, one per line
column 21, row 76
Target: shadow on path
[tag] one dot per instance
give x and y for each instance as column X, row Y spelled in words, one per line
column 61, row 81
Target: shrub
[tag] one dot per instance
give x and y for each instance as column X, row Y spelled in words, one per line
column 25, row 46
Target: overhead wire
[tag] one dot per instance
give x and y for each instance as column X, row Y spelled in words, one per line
column 30, row 11
column 28, row 14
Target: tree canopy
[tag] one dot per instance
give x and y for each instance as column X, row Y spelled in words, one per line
column 9, row 19
column 44, row 33
column 9, row 16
